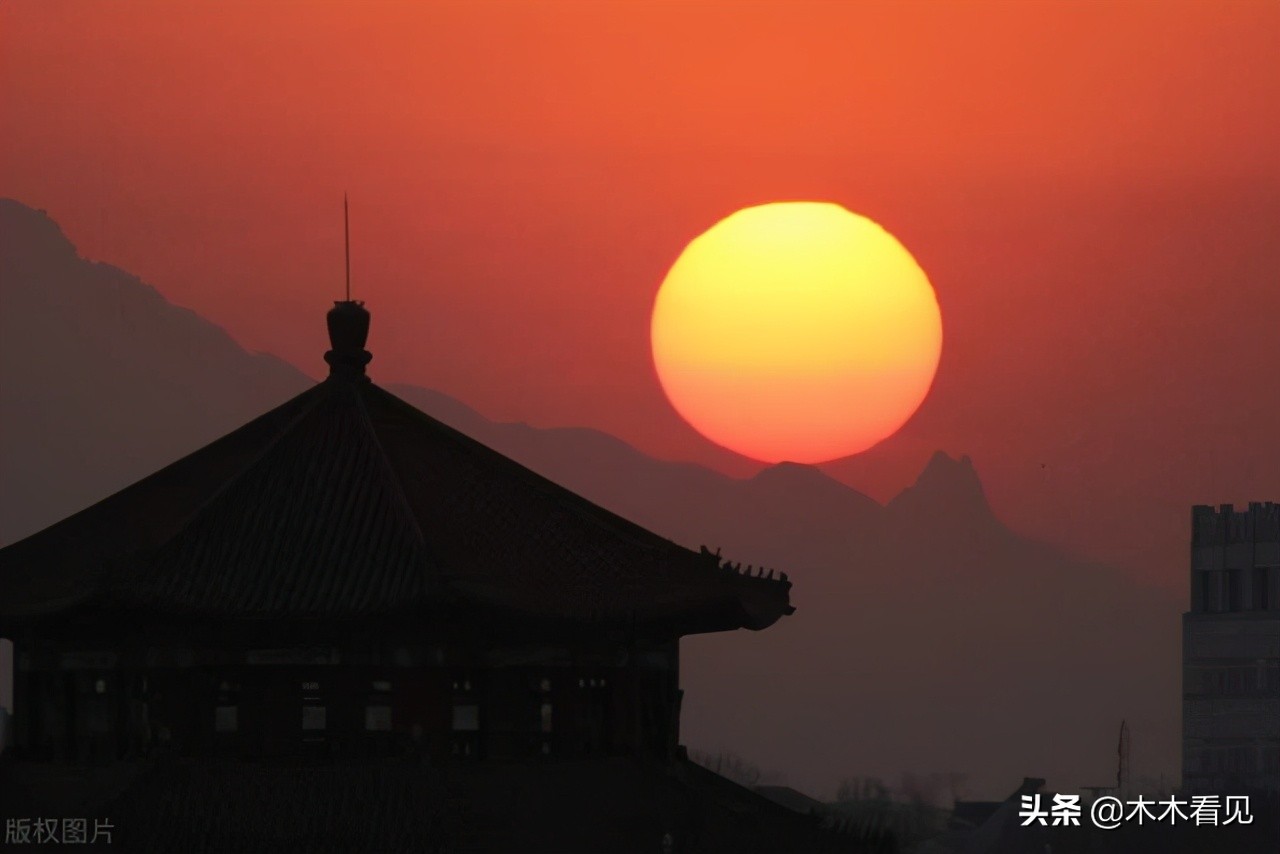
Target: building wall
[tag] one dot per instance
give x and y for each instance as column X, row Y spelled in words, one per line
column 88, row 701
column 1231, row 651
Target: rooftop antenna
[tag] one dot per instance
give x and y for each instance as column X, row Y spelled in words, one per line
column 346, row 235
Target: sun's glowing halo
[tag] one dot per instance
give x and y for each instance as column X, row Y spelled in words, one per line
column 796, row 331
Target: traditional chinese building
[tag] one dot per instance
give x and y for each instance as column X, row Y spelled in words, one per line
column 1231, row 652
column 346, row 576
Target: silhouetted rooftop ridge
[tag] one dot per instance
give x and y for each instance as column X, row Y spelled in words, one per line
column 346, row 502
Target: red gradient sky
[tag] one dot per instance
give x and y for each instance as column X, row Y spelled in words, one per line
column 1092, row 188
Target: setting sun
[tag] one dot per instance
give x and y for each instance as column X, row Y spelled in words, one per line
column 796, row 331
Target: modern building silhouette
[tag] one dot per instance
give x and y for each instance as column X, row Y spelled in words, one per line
column 1231, row 652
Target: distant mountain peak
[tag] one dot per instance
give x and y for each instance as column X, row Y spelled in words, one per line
column 944, row 465
column 945, row 482
column 796, row 475
column 788, row 469
column 798, row 482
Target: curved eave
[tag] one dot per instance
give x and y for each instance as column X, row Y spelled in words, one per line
column 739, row 603
column 763, row 602
column 727, row 601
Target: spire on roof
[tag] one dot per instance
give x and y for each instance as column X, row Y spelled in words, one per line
column 346, row 241
column 348, row 323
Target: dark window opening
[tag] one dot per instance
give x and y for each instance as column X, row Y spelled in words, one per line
column 314, row 713
column 377, row 718
column 377, row 712
column 313, row 718
column 1261, row 589
column 465, row 721
column 466, row 717
column 1233, row 590
column 1206, row 591
column 544, row 717
column 226, row 714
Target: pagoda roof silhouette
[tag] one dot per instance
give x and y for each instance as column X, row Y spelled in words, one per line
column 347, row 503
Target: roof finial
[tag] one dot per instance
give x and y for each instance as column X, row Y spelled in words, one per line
column 348, row 322
column 346, row 237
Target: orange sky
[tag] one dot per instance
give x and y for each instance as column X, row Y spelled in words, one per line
column 1092, row 189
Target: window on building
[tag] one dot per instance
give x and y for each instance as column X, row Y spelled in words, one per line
column 466, row 717
column 99, row 708
column 377, row 712
column 1207, row 601
column 226, row 719
column 1261, row 588
column 1234, row 602
column 544, row 717
column 465, row 722
column 313, row 718
column 226, row 712
column 377, row 718
column 314, row 714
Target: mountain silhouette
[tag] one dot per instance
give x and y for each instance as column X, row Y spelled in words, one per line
column 102, row 380
column 944, row 482
column 928, row 636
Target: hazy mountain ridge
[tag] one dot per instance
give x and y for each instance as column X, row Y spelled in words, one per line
column 102, row 376
column 917, row 606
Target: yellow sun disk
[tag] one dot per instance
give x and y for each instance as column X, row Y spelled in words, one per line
column 796, row 331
